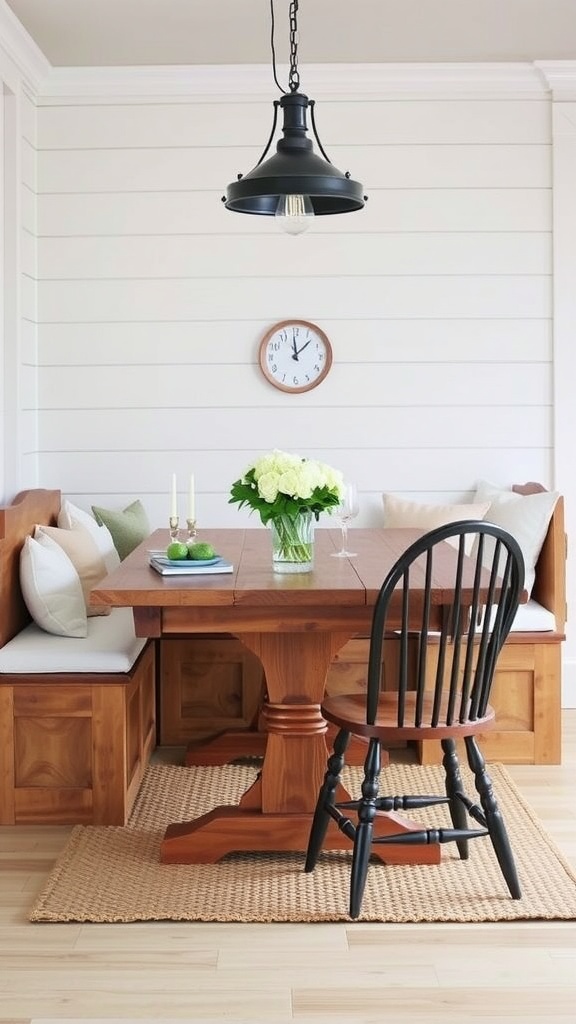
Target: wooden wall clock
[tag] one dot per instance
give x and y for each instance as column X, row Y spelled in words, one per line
column 295, row 356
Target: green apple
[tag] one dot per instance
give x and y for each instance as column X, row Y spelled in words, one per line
column 200, row 551
column 177, row 551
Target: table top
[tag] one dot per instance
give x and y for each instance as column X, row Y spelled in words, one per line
column 353, row 581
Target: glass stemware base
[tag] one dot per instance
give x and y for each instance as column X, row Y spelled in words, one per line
column 346, row 510
column 344, row 553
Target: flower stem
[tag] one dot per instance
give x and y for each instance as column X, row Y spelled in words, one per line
column 292, row 539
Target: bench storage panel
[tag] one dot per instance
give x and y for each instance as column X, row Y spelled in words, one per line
column 75, row 748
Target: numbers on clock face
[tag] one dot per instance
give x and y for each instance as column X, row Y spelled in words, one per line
column 295, row 356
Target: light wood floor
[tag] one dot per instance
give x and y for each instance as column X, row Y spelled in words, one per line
column 272, row 974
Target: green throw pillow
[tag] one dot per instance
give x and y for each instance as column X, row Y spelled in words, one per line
column 128, row 528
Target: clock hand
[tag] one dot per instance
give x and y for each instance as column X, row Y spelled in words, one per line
column 294, row 349
column 303, row 347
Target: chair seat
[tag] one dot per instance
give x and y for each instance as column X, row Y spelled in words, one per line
column 348, row 711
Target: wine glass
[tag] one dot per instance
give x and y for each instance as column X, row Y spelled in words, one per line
column 344, row 512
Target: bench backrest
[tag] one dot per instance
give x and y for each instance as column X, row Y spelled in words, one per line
column 550, row 584
column 17, row 521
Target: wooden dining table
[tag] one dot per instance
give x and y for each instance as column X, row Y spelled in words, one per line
column 295, row 624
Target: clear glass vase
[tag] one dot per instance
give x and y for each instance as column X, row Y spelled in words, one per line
column 293, row 543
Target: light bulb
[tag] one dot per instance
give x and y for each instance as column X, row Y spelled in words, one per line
column 294, row 213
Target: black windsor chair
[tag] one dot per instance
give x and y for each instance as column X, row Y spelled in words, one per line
column 443, row 680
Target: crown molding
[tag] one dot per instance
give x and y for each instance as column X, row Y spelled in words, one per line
column 349, row 81
column 22, row 51
column 560, row 77
column 232, row 82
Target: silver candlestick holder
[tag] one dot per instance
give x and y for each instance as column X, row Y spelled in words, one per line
column 191, row 524
column 174, row 524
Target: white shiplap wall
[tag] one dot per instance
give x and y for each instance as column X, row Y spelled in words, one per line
column 27, row 389
column 18, row 276
column 152, row 298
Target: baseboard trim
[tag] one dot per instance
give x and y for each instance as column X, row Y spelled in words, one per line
column 569, row 684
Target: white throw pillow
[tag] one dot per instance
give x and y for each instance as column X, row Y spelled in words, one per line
column 71, row 516
column 398, row 512
column 51, row 588
column 525, row 516
column 82, row 550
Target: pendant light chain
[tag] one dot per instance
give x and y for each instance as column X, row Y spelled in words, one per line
column 295, row 184
column 294, row 77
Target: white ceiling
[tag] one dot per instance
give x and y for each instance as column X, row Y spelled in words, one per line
column 104, row 33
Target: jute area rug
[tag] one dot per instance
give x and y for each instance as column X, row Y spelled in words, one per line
column 111, row 874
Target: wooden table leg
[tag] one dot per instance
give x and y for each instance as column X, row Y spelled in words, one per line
column 275, row 813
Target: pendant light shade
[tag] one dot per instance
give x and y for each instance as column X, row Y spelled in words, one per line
column 295, row 184
column 294, row 170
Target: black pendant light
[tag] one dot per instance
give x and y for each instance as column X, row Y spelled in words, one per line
column 295, row 184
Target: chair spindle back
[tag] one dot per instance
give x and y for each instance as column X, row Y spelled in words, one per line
column 451, row 659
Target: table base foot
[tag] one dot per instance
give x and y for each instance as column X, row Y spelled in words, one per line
column 233, row 830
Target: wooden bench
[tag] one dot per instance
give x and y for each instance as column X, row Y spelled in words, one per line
column 527, row 686
column 73, row 745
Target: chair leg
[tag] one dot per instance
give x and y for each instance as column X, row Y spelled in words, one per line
column 454, row 786
column 326, row 797
column 364, row 829
column 494, row 819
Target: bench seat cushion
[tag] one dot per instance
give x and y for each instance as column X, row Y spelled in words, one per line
column 111, row 646
column 533, row 618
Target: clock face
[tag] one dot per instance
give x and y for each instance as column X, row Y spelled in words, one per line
column 295, row 355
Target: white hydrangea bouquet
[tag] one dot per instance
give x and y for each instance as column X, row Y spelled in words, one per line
column 283, row 488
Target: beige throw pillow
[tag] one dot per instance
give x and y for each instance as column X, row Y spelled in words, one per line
column 85, row 557
column 70, row 516
column 398, row 512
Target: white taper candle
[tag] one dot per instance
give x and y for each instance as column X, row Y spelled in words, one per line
column 174, row 498
column 191, row 504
